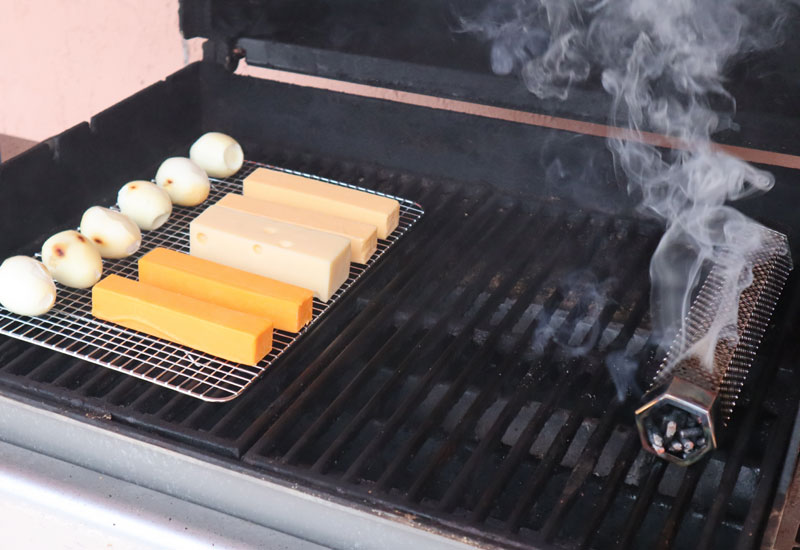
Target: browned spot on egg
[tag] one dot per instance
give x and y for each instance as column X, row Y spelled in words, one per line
column 133, row 187
column 81, row 238
column 98, row 240
column 59, row 251
column 168, row 182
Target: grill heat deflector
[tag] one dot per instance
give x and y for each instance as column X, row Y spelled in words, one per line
column 70, row 327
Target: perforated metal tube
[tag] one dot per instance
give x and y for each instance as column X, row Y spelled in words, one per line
column 689, row 401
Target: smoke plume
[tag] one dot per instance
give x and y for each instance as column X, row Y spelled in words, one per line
column 663, row 64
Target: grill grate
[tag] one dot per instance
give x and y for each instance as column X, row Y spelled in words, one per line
column 70, row 327
column 430, row 393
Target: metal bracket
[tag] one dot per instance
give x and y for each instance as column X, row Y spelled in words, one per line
column 227, row 55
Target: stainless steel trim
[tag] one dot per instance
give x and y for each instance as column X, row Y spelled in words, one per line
column 49, row 503
column 215, row 484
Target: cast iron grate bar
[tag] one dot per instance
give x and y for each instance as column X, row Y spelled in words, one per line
column 680, row 506
column 560, row 446
column 579, row 368
column 601, row 435
column 614, row 483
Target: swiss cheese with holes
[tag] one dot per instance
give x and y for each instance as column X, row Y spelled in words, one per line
column 296, row 255
column 363, row 236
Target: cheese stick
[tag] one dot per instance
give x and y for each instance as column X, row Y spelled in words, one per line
column 288, row 306
column 219, row 331
column 362, row 236
column 271, row 185
column 302, row 257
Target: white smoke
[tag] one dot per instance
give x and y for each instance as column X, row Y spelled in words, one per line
column 663, row 64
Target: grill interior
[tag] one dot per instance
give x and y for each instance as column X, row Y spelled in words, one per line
column 465, row 383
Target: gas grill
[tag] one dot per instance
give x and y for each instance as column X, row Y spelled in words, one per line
column 460, row 392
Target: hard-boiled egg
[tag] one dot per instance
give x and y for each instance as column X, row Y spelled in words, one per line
column 218, row 154
column 186, row 183
column 26, row 287
column 113, row 233
column 145, row 203
column 72, row 260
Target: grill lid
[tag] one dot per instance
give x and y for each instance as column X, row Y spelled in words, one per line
column 420, row 46
column 414, row 45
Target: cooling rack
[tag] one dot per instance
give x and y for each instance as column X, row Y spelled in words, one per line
column 70, row 327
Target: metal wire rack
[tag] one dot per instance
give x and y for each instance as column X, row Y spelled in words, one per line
column 70, row 327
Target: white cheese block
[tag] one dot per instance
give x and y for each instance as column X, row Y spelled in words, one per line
column 296, row 255
column 363, row 237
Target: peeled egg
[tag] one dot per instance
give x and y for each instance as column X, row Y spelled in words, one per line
column 26, row 287
column 72, row 260
column 218, row 154
column 145, row 203
column 113, row 233
column 186, row 183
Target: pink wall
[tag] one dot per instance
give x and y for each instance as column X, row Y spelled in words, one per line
column 63, row 61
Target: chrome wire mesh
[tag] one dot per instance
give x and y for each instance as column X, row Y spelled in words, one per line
column 771, row 264
column 70, row 327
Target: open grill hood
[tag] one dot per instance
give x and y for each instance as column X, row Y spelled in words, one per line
column 418, row 45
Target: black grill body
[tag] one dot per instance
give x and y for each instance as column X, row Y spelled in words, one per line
column 464, row 382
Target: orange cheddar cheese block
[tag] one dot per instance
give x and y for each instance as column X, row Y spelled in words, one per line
column 232, row 335
column 328, row 198
column 287, row 306
column 363, row 236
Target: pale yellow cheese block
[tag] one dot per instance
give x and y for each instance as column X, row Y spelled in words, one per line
column 275, row 186
column 296, row 255
column 362, row 236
